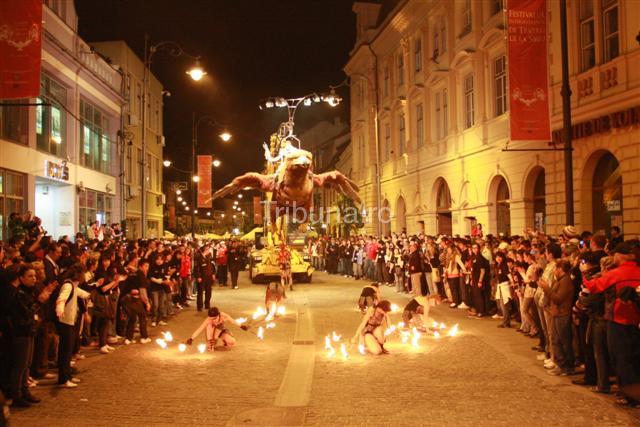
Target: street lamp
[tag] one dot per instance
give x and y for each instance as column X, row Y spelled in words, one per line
column 166, row 163
column 196, row 72
column 216, row 163
column 225, row 136
column 239, row 196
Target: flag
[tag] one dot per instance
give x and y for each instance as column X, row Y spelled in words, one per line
column 20, row 48
column 204, row 184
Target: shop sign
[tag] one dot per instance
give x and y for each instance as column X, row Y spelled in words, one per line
column 56, row 171
column 613, row 206
column 602, row 124
column 65, row 219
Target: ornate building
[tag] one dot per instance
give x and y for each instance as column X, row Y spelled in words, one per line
column 429, row 119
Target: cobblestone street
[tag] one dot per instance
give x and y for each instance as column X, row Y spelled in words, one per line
column 484, row 376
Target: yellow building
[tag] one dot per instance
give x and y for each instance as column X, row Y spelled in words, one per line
column 434, row 76
column 120, row 54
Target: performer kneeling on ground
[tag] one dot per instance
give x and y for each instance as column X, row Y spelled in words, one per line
column 274, row 295
column 369, row 297
column 371, row 331
column 214, row 326
column 416, row 312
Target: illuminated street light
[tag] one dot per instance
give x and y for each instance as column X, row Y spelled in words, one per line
column 239, row 196
column 234, row 217
column 222, row 216
column 178, row 192
column 196, row 72
column 179, row 199
column 184, row 203
column 225, row 136
column 196, row 211
column 208, row 213
column 196, row 178
column 216, row 163
column 186, row 208
column 166, row 163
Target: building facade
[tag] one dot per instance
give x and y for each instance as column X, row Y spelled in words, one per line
column 429, row 117
column 59, row 152
column 132, row 162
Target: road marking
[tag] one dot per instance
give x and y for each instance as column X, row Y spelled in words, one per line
column 295, row 389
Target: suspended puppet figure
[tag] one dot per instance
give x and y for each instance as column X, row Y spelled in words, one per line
column 369, row 297
column 370, row 332
column 214, row 328
column 292, row 184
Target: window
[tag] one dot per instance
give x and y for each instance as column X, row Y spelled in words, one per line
column 158, row 175
column 149, row 183
column 439, row 37
column 128, row 170
column 610, row 29
column 386, row 81
column 14, row 121
column 139, row 166
column 400, row 69
column 417, row 55
column 95, row 146
column 419, row 126
column 402, row 136
column 12, row 199
column 466, row 18
column 441, row 114
column 587, row 39
column 497, row 6
column 363, row 154
column 468, row 101
column 500, row 77
column 51, row 120
column 387, row 142
column 94, row 206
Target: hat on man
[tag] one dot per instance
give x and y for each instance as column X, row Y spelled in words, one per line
column 570, row 232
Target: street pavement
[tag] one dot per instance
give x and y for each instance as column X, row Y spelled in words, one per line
column 483, row 377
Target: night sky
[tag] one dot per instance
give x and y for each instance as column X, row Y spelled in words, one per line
column 252, row 49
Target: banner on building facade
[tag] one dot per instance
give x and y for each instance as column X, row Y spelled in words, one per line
column 204, row 184
column 257, row 211
column 20, row 48
column 528, row 70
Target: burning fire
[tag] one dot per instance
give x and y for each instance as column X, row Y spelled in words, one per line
column 270, row 325
column 361, row 349
column 241, row 320
column 442, row 326
column 201, row 348
column 395, row 308
column 327, row 343
column 404, row 336
column 453, row 331
column 272, row 312
column 401, row 325
column 259, row 312
column 335, row 336
column 162, row 343
column 282, row 310
column 391, row 329
column 332, row 352
column 343, row 351
column 182, row 348
column 436, row 334
column 260, row 332
column 415, row 338
column 167, row 336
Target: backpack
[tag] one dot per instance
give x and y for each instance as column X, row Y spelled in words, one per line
column 51, row 303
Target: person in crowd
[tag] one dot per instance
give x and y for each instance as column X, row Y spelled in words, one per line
column 204, row 272
column 454, row 271
column 235, row 261
column 416, row 268
column 136, row 303
column 221, row 263
column 504, row 294
column 157, row 282
column 185, row 275
column 284, row 260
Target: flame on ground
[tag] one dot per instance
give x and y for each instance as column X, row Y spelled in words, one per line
column 401, row 325
column 201, row 348
column 442, row 326
column 404, row 336
column 259, row 312
column 395, row 308
column 436, row 334
column 391, row 329
column 331, row 352
column 167, row 336
column 241, row 320
column 162, row 343
column 335, row 336
column 453, row 331
column 415, row 338
column 282, row 310
column 343, row 351
column 327, row 343
column 260, row 332
column 182, row 348
column 361, row 349
column 270, row 325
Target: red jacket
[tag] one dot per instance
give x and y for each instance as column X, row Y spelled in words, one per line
column 626, row 275
column 185, row 266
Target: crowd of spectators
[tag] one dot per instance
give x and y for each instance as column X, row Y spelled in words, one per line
column 575, row 294
column 62, row 299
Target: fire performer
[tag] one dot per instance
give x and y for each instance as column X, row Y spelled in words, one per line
column 274, row 294
column 284, row 259
column 214, row 327
column 369, row 297
column 370, row 332
column 416, row 312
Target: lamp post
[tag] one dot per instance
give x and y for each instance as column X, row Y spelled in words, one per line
column 225, row 136
column 196, row 73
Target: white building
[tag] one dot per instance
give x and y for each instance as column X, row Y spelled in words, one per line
column 78, row 127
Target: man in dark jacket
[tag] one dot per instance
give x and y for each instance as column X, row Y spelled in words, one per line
column 204, row 271
column 235, row 259
column 561, row 297
column 415, row 268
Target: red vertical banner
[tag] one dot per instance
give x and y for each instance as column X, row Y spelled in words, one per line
column 257, row 211
column 20, row 48
column 528, row 70
column 204, row 184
